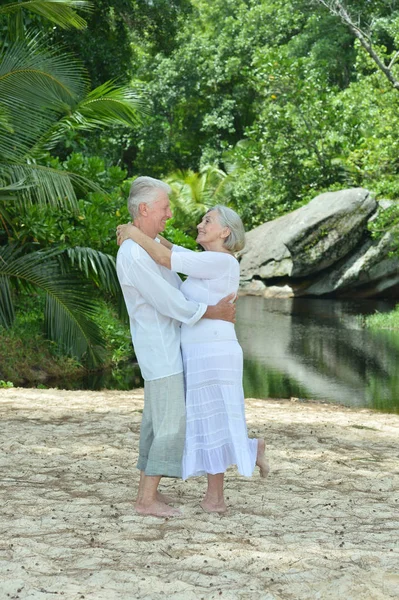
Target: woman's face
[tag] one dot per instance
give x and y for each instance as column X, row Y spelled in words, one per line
column 211, row 234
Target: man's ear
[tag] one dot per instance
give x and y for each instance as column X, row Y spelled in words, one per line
column 143, row 209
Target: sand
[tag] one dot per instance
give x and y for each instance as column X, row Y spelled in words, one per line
column 324, row 525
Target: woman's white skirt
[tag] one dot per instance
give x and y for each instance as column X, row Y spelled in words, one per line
column 216, row 431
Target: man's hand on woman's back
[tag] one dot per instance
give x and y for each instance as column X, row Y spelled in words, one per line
column 225, row 309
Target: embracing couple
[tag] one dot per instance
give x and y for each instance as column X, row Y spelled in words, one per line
column 183, row 333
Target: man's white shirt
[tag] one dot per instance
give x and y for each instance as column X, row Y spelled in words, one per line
column 156, row 309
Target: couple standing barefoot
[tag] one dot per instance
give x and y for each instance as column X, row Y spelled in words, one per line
column 196, row 425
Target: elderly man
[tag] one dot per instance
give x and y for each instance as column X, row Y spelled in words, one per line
column 156, row 309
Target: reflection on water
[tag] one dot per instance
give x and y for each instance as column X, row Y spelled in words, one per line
column 313, row 348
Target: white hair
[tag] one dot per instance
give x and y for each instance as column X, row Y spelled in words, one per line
column 144, row 190
column 235, row 241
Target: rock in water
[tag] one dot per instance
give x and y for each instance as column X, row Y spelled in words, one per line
column 310, row 239
column 321, row 249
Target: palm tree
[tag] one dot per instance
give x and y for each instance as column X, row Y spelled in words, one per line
column 43, row 94
column 193, row 193
column 59, row 12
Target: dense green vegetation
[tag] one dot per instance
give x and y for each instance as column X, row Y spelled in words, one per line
column 44, row 93
column 261, row 104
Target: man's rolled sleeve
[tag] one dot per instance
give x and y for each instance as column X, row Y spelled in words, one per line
column 144, row 276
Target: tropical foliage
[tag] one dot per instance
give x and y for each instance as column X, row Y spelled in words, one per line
column 44, row 94
column 280, row 96
column 58, row 12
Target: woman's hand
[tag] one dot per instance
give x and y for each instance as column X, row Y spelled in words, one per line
column 161, row 254
column 125, row 232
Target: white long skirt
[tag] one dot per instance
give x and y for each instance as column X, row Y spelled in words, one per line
column 216, row 431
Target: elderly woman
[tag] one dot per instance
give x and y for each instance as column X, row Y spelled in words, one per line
column 216, row 433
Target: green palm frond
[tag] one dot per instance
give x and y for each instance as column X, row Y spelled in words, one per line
column 108, row 103
column 38, row 183
column 213, row 182
column 59, row 12
column 97, row 266
column 37, row 87
column 69, row 301
column 187, row 199
column 7, row 191
column 105, row 105
column 194, row 193
column 34, row 62
column 7, row 312
column 5, row 120
column 69, row 322
column 100, row 268
column 44, row 95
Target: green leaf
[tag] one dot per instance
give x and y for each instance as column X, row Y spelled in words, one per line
column 109, row 104
column 37, row 87
column 7, row 313
column 101, row 268
column 103, row 106
column 38, row 183
column 69, row 300
column 59, row 12
column 96, row 265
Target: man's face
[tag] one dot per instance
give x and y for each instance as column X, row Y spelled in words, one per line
column 158, row 212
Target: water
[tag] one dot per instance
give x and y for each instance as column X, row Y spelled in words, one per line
column 317, row 349
column 303, row 348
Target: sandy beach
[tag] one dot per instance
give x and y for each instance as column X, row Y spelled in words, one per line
column 324, row 525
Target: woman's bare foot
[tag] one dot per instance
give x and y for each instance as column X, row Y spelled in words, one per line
column 211, row 507
column 261, row 461
column 157, row 509
column 213, row 501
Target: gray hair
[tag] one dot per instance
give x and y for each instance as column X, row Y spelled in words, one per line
column 144, row 190
column 229, row 218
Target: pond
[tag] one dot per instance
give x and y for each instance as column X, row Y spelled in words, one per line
column 318, row 349
column 305, row 349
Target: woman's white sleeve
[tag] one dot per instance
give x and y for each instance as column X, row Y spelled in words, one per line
column 201, row 265
column 176, row 248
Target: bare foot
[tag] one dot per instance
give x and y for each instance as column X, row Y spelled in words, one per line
column 163, row 498
column 261, row 461
column 212, row 507
column 157, row 509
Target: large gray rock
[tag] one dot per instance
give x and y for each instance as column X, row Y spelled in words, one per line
column 321, row 249
column 369, row 271
column 310, row 239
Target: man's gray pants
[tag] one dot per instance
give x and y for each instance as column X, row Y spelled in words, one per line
column 163, row 427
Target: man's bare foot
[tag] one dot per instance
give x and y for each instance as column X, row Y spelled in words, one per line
column 164, row 498
column 261, row 461
column 157, row 509
column 213, row 507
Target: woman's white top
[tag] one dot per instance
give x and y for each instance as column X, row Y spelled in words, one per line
column 156, row 307
column 211, row 276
